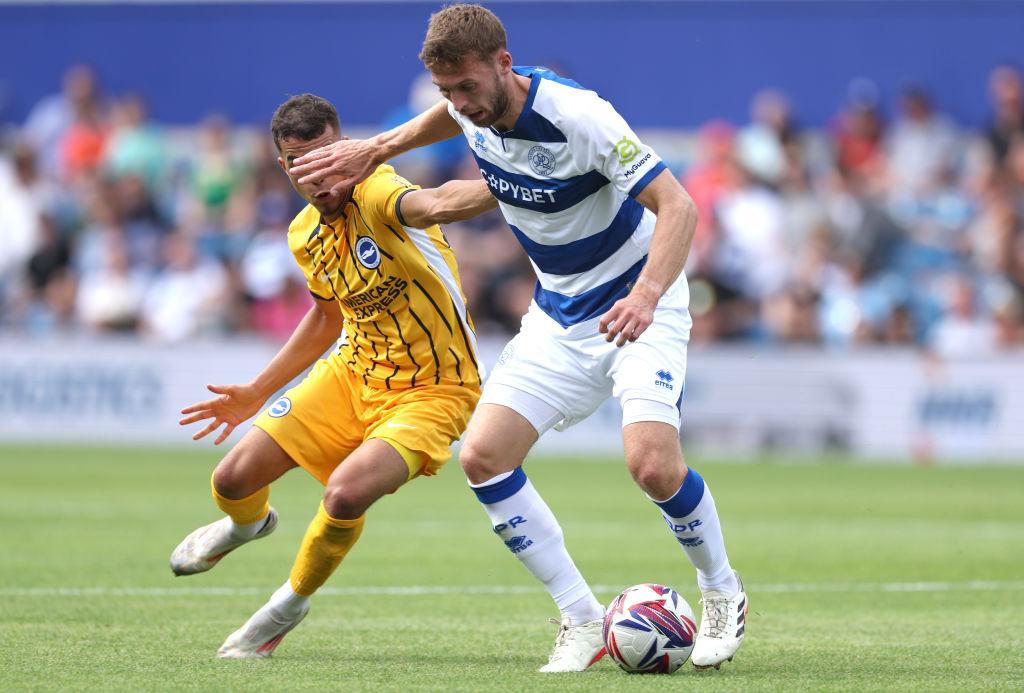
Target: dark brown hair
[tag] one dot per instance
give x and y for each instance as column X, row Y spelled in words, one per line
column 461, row 30
column 304, row 117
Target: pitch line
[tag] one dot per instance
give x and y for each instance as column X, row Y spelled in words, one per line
column 423, row 590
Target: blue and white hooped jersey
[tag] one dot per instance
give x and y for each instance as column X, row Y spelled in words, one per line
column 566, row 178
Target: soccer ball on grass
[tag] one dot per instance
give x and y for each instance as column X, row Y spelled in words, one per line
column 649, row 629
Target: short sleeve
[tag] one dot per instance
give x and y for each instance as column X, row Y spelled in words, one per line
column 320, row 290
column 603, row 141
column 382, row 193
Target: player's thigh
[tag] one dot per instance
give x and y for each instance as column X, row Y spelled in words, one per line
column 254, row 462
column 498, row 440
column 316, row 422
column 372, row 470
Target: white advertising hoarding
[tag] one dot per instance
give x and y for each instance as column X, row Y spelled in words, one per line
column 874, row 404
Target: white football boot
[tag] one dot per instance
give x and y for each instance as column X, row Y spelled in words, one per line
column 721, row 627
column 261, row 634
column 203, row 548
column 576, row 647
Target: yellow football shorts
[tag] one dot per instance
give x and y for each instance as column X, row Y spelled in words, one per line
column 320, row 421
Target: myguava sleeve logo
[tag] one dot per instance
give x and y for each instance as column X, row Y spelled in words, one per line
column 627, row 150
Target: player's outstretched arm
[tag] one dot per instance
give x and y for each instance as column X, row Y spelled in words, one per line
column 351, row 161
column 455, row 200
column 670, row 246
column 235, row 403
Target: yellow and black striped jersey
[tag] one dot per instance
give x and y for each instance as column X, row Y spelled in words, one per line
column 397, row 287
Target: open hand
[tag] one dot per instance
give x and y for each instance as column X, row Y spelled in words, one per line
column 349, row 161
column 235, row 404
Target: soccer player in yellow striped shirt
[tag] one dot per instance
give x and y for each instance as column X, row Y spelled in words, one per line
column 382, row 408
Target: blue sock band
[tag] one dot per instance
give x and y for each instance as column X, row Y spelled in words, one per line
column 506, row 488
column 687, row 498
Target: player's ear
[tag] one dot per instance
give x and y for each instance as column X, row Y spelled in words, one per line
column 280, row 162
column 504, row 62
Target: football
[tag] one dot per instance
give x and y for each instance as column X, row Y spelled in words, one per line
column 649, row 629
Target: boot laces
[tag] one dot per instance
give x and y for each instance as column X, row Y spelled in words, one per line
column 716, row 614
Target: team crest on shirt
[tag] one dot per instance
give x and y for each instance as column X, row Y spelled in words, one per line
column 542, row 160
column 367, row 252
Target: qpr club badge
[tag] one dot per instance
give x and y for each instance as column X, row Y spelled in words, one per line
column 542, row 161
column 367, row 252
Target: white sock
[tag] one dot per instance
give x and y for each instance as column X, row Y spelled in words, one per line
column 584, row 609
column 285, row 602
column 692, row 517
column 250, row 530
column 521, row 519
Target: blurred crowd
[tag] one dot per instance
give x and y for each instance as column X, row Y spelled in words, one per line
column 881, row 228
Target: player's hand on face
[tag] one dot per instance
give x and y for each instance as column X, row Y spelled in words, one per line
column 628, row 318
column 350, row 161
column 233, row 405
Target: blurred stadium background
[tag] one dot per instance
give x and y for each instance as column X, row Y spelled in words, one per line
column 859, row 167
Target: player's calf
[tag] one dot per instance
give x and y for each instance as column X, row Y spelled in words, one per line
column 248, row 517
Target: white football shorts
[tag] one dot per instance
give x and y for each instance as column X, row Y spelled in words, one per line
column 556, row 377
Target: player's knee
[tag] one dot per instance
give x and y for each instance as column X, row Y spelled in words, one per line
column 344, row 503
column 480, row 462
column 230, row 479
column 658, row 471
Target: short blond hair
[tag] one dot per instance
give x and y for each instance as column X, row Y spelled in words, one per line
column 458, row 31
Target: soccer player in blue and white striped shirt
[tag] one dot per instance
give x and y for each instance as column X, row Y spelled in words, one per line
column 607, row 229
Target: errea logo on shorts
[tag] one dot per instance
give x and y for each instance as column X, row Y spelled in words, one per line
column 664, row 379
column 280, row 408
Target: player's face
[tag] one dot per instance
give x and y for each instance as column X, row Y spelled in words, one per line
column 316, row 192
column 477, row 88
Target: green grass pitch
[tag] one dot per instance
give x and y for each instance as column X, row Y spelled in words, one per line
column 861, row 577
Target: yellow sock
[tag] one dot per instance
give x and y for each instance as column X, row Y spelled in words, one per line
column 327, row 541
column 246, row 510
